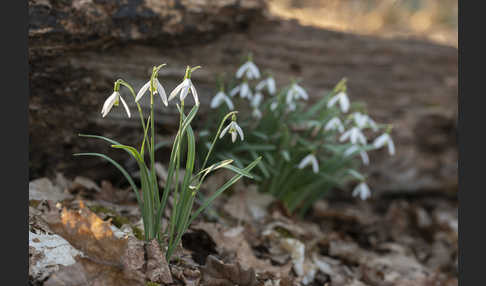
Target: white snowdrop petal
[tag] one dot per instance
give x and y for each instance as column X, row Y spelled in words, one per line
column 229, row 103
column 350, row 150
column 380, row 140
column 315, row 165
column 126, row 106
column 176, row 91
column 239, row 130
column 391, row 147
column 109, row 102
column 224, row 131
column 217, row 100
column 332, row 101
column 161, row 92
column 244, row 90
column 261, row 85
column 194, row 93
column 301, row 92
column 254, row 70
column 142, row 91
column 233, row 137
column 364, row 157
column 235, row 90
column 304, row 162
column 241, row 70
column 344, row 103
column 271, row 85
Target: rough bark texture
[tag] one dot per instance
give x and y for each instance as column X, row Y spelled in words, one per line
column 79, row 48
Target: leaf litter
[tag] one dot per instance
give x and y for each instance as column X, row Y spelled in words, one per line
column 79, row 235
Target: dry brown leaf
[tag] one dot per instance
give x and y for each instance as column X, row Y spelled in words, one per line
column 233, row 241
column 217, row 273
column 88, row 233
column 157, row 267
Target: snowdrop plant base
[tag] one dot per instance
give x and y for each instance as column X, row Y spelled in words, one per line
column 307, row 150
column 151, row 201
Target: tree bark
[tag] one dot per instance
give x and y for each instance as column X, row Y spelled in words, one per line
column 77, row 49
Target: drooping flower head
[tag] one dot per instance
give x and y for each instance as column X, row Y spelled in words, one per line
column 154, row 86
column 309, row 160
column 219, row 98
column 363, row 120
column 385, row 139
column 248, row 69
column 362, row 191
column 334, row 124
column 234, row 129
column 343, row 100
column 113, row 100
column 186, row 86
column 269, row 83
column 362, row 153
column 296, row 92
column 354, row 135
column 243, row 90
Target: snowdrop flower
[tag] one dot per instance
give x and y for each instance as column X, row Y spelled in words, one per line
column 158, row 88
column 362, row 120
column 249, row 69
column 362, row 190
column 269, row 83
column 243, row 89
column 185, row 87
column 343, row 100
column 274, row 105
column 334, row 124
column 256, row 100
column 296, row 92
column 219, row 98
column 385, row 139
column 309, row 159
column 362, row 153
column 355, row 136
column 113, row 99
column 233, row 129
column 256, row 113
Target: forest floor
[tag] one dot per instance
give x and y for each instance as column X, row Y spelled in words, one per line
column 85, row 233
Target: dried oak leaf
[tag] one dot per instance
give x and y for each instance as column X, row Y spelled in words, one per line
column 217, row 273
column 157, row 267
column 108, row 260
column 233, row 241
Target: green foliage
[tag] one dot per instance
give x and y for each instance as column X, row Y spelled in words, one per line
column 291, row 135
column 183, row 192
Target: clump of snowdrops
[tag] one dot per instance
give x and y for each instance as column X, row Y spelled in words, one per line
column 307, row 149
column 182, row 188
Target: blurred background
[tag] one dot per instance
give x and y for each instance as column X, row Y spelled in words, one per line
column 434, row 20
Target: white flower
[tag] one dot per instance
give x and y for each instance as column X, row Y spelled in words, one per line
column 334, row 124
column 219, row 98
column 309, row 159
column 355, row 136
column 343, row 101
column 183, row 88
column 269, row 83
column 362, row 120
column 385, row 139
column 256, row 100
column 113, row 100
column 234, row 130
column 249, row 69
column 256, row 113
column 274, row 105
column 362, row 153
column 362, row 190
column 158, row 89
column 243, row 89
column 296, row 92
